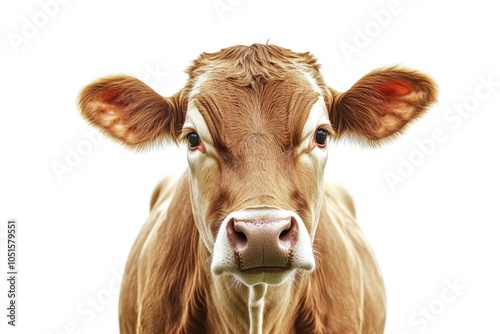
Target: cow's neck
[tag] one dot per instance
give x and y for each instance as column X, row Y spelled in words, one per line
column 254, row 310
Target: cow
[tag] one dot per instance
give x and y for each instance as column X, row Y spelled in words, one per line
column 250, row 239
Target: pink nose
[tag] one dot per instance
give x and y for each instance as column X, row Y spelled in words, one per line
column 259, row 243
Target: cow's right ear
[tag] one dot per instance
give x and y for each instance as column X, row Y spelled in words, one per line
column 381, row 104
column 131, row 112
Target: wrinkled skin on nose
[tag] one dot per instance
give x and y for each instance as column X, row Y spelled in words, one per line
column 263, row 244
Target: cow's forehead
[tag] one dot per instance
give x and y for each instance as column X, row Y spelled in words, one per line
column 258, row 92
column 275, row 112
column 242, row 64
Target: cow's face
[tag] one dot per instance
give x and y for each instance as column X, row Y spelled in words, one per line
column 257, row 121
column 256, row 152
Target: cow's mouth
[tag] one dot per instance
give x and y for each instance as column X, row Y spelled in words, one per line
column 267, row 275
column 261, row 270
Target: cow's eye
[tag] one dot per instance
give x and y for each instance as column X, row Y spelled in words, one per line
column 321, row 136
column 193, row 139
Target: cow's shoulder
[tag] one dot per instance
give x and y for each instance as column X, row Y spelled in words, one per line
column 339, row 236
column 162, row 191
column 131, row 292
column 167, row 280
column 338, row 244
column 338, row 196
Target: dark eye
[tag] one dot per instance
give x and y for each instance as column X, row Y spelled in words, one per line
column 321, row 136
column 193, row 139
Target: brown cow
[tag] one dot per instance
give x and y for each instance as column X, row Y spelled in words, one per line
column 249, row 240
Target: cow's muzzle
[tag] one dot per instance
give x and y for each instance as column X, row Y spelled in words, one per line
column 262, row 245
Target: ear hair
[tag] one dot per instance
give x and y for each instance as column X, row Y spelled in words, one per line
column 131, row 112
column 381, row 104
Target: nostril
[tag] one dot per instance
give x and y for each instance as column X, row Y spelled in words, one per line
column 241, row 236
column 237, row 238
column 288, row 236
column 284, row 234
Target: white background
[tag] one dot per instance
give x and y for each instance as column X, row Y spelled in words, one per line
column 439, row 227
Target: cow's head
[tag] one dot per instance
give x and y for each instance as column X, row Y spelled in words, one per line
column 257, row 121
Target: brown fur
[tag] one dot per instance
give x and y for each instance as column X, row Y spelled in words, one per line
column 344, row 295
column 255, row 100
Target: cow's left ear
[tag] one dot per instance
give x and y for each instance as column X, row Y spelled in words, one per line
column 381, row 104
column 128, row 110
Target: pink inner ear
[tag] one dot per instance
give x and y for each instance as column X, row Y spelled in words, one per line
column 395, row 89
column 109, row 95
